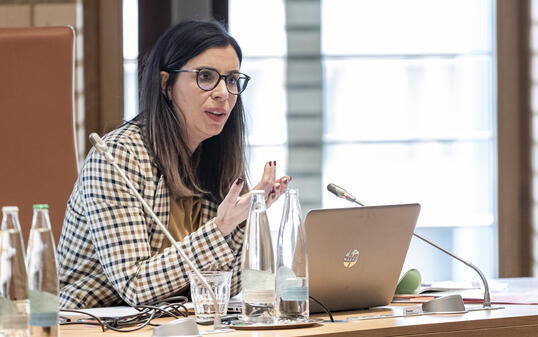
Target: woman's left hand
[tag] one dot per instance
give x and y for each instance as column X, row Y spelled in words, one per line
column 273, row 187
column 234, row 208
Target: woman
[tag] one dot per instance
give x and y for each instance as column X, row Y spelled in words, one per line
column 184, row 153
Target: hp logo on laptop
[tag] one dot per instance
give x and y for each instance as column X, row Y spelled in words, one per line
column 351, row 258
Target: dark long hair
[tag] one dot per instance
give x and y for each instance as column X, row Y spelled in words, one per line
column 218, row 161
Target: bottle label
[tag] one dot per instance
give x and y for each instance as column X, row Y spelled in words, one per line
column 294, row 294
column 44, row 308
column 258, row 296
column 42, row 301
column 44, row 319
column 257, row 280
column 7, row 307
column 290, row 287
column 14, row 321
column 14, row 314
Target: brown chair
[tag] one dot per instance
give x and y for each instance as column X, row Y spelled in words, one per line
column 37, row 143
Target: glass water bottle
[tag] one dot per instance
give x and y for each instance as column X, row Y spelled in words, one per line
column 258, row 275
column 292, row 263
column 14, row 299
column 42, row 275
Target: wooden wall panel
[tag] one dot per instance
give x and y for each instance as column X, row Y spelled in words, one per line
column 514, row 142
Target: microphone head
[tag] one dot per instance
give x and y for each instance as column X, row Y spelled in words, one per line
column 98, row 143
column 336, row 190
column 341, row 193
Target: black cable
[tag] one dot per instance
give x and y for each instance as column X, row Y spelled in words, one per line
column 324, row 308
column 173, row 306
column 99, row 322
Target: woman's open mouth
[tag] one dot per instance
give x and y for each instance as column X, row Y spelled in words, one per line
column 216, row 114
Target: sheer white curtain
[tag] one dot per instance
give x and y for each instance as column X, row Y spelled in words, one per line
column 259, row 28
column 409, row 112
column 409, row 117
column 130, row 58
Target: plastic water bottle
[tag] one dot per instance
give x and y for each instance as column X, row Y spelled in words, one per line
column 258, row 275
column 292, row 263
column 14, row 300
column 42, row 275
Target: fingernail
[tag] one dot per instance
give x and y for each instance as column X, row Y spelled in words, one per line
column 285, row 181
column 274, row 162
column 269, row 163
column 238, row 181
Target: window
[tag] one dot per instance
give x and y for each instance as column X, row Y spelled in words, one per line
column 409, row 112
column 263, row 41
column 130, row 58
column 409, row 117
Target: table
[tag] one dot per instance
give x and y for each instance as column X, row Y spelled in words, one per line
column 513, row 320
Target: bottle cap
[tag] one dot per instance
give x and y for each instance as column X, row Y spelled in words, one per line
column 7, row 209
column 41, row 206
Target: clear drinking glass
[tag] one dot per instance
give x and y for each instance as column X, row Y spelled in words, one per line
column 204, row 307
column 258, row 273
column 42, row 275
column 14, row 299
column 292, row 263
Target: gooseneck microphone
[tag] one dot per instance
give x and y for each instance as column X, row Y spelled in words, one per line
column 102, row 148
column 341, row 193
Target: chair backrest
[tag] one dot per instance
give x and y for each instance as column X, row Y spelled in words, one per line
column 37, row 140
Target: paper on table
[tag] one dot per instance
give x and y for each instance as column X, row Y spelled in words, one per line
column 494, row 286
column 412, row 298
column 120, row 311
column 477, row 296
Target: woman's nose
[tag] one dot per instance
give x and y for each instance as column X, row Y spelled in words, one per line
column 220, row 90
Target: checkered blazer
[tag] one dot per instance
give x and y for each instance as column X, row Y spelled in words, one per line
column 108, row 250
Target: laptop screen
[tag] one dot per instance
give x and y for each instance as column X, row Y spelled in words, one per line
column 355, row 255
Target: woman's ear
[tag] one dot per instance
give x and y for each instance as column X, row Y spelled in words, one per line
column 164, row 79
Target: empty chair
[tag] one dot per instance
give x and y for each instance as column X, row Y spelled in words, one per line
column 37, row 139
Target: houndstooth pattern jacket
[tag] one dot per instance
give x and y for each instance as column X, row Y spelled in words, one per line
column 108, row 250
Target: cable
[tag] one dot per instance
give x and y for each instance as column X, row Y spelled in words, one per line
column 324, row 308
column 69, row 322
column 173, row 306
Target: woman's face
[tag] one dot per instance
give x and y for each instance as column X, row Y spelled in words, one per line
column 205, row 112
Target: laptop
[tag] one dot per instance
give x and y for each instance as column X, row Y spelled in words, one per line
column 355, row 255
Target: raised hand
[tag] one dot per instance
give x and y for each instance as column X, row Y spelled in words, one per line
column 234, row 208
column 273, row 188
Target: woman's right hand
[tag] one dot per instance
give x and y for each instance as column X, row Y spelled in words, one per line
column 233, row 209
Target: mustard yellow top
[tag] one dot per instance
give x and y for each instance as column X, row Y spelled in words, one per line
column 185, row 218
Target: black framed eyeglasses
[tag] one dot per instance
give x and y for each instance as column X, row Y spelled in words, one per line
column 208, row 79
